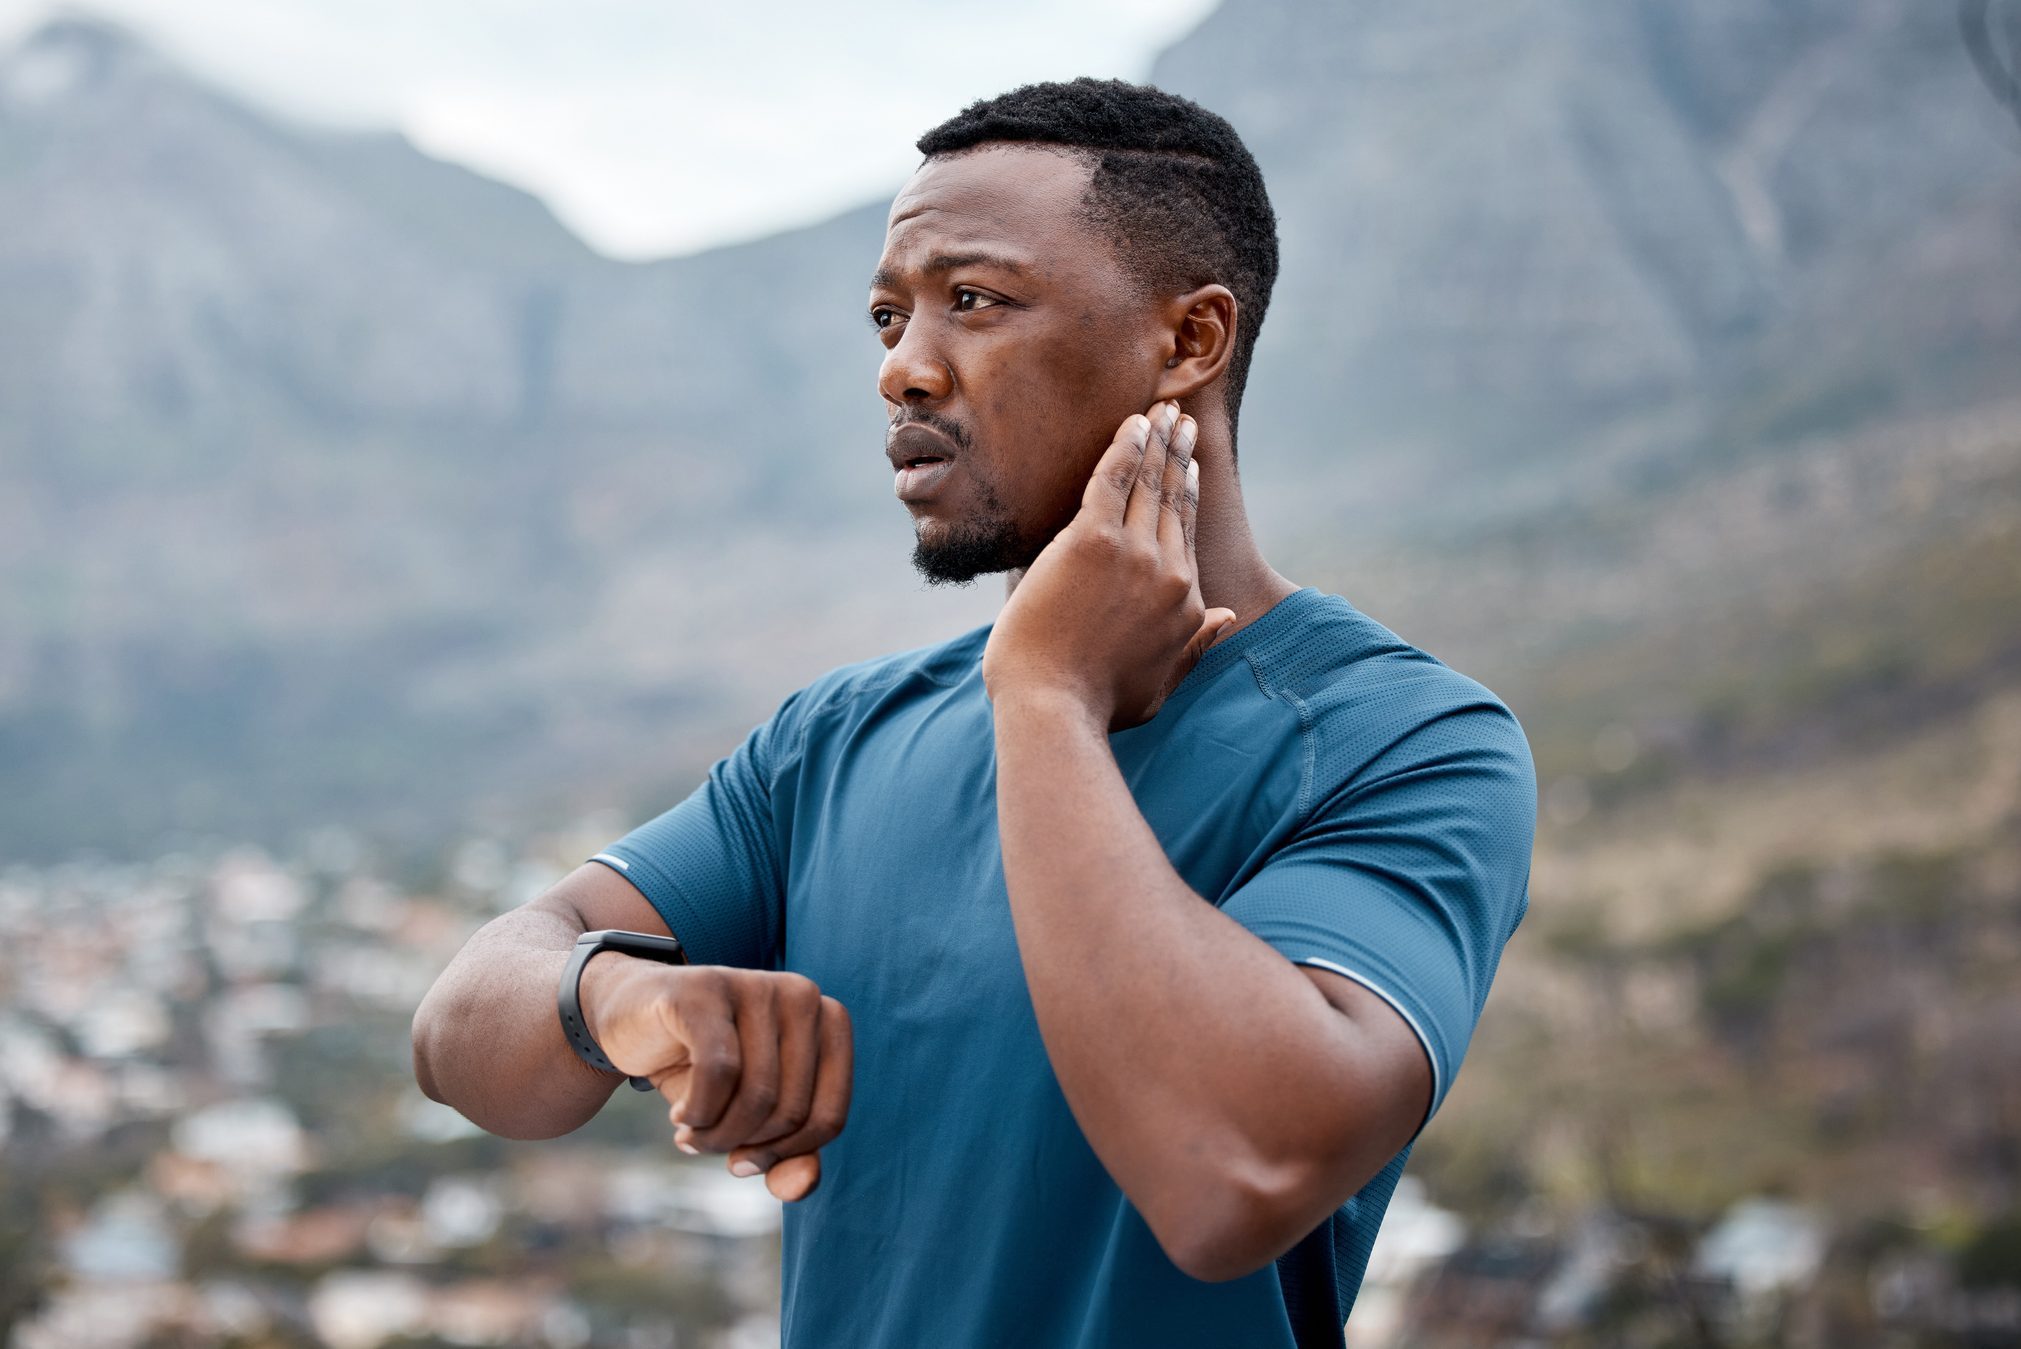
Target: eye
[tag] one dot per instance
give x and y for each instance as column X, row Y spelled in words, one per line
column 967, row 299
column 882, row 316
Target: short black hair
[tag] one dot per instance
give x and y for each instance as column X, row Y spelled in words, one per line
column 1174, row 187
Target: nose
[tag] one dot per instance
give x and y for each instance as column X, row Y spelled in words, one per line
column 913, row 372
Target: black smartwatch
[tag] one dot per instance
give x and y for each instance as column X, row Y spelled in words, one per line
column 642, row 944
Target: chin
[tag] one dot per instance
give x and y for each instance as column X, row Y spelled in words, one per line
column 957, row 554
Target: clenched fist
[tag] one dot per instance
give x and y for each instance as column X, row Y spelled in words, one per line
column 754, row 1063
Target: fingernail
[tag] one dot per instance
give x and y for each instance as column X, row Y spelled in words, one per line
column 1193, row 471
column 687, row 1147
column 743, row 1167
column 1140, row 428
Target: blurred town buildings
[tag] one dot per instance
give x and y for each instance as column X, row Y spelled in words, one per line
column 212, row 1136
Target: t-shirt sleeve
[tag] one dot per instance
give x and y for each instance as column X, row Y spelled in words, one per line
column 714, row 865
column 1410, row 876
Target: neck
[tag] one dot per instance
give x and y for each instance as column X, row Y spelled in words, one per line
column 1233, row 572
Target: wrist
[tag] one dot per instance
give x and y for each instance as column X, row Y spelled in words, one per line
column 603, row 984
column 585, row 1030
column 1050, row 704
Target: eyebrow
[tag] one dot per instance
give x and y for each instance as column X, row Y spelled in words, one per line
column 947, row 262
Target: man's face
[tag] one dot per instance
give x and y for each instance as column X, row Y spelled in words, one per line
column 1015, row 345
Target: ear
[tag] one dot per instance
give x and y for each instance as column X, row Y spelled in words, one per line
column 1200, row 328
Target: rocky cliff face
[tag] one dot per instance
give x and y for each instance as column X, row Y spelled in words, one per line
column 335, row 480
column 1551, row 214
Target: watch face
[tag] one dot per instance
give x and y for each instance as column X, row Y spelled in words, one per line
column 645, row 945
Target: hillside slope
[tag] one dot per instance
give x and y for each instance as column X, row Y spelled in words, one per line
column 338, row 482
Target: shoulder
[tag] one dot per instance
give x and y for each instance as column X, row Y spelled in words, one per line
column 1373, row 704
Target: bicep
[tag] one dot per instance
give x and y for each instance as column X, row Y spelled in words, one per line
column 597, row 897
column 1391, row 1059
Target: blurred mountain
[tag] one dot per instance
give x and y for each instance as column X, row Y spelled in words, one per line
column 340, row 482
column 337, row 481
column 1701, row 226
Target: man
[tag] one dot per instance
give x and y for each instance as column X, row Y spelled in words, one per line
column 1156, row 915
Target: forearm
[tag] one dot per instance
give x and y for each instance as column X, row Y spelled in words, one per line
column 488, row 1038
column 1179, row 1038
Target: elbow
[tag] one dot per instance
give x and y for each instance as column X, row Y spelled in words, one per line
column 423, row 1078
column 487, row 1096
column 1217, row 1263
column 1232, row 1228
column 421, row 1037
column 1254, row 1214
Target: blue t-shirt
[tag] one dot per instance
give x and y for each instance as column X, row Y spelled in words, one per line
column 1350, row 800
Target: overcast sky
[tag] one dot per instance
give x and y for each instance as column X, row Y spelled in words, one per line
column 652, row 126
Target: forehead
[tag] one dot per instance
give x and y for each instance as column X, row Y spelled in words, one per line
column 1015, row 200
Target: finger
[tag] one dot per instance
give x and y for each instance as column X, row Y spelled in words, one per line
column 1147, row 492
column 799, row 1010
column 758, row 1080
column 1107, row 496
column 1212, row 628
column 714, row 1056
column 1181, row 483
column 1189, row 505
column 829, row 1107
column 794, row 1177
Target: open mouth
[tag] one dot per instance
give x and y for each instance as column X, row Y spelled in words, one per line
column 919, row 477
column 916, row 460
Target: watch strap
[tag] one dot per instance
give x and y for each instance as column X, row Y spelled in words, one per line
column 645, row 945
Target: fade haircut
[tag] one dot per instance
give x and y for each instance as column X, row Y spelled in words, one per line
column 1174, row 188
